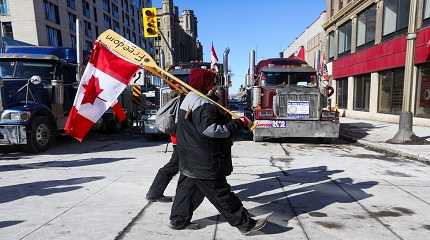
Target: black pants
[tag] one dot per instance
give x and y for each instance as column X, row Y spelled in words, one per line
column 163, row 177
column 190, row 193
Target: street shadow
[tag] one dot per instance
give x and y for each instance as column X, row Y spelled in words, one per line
column 94, row 142
column 4, row 224
column 285, row 195
column 60, row 164
column 358, row 130
column 42, row 188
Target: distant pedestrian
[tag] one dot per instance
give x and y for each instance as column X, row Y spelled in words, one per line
column 204, row 149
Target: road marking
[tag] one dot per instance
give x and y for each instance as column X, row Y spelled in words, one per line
column 133, row 221
column 411, row 194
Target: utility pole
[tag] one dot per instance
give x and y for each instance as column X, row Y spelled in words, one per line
column 78, row 52
column 2, row 48
column 405, row 132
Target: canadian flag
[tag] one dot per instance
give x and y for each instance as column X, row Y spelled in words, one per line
column 214, row 59
column 104, row 79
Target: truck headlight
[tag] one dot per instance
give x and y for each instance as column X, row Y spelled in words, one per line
column 15, row 116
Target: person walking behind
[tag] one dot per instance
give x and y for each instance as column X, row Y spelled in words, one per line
column 165, row 173
column 164, row 176
column 204, row 150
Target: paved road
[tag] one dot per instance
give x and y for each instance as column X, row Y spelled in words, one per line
column 96, row 191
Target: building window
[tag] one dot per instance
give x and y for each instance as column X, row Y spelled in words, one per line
column 4, row 8
column 126, row 20
column 106, row 6
column 72, row 22
column 391, row 91
column 86, row 9
column 133, row 24
column 97, row 30
column 106, row 21
column 366, row 26
column 344, row 43
column 88, row 30
column 422, row 108
column 115, row 11
column 73, row 40
column 133, row 37
column 426, row 14
column 342, row 93
column 340, row 4
column 331, row 45
column 88, row 45
column 95, row 14
column 71, row 4
column 362, row 93
column 51, row 12
column 116, row 26
column 7, row 30
column 54, row 37
column 396, row 15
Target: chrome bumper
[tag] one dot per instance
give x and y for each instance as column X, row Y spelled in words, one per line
column 12, row 134
column 150, row 127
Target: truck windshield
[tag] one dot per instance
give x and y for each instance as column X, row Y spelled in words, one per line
column 293, row 79
column 12, row 68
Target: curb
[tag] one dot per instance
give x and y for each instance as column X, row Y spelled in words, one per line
column 381, row 148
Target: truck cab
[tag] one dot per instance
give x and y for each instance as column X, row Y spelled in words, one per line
column 37, row 88
column 286, row 101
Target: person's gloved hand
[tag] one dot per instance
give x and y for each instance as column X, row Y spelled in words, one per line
column 246, row 122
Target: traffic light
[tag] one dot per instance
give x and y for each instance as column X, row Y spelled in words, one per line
column 150, row 24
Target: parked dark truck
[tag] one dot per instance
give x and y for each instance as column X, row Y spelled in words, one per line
column 285, row 101
column 37, row 89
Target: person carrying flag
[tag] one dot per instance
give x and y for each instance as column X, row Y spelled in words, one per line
column 204, row 149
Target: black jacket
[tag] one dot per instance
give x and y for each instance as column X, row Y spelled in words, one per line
column 204, row 139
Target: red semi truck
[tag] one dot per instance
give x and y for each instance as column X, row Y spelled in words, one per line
column 284, row 99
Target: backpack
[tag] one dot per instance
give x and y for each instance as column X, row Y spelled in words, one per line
column 167, row 116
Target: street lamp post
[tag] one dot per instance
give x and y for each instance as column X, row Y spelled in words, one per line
column 405, row 132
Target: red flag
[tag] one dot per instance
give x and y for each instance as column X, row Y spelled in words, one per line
column 105, row 77
column 301, row 53
column 118, row 111
column 214, row 59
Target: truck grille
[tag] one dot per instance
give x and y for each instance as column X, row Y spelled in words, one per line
column 284, row 99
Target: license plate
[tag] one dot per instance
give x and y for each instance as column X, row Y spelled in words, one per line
column 271, row 124
column 279, row 124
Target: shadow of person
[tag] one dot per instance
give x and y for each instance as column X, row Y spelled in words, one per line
column 287, row 194
column 4, row 224
column 42, row 188
column 65, row 164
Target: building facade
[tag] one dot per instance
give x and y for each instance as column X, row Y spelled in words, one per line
column 366, row 44
column 52, row 22
column 312, row 39
column 180, row 33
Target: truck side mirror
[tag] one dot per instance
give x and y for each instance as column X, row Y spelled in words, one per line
column 36, row 80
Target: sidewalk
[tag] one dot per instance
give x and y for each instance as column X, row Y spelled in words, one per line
column 375, row 134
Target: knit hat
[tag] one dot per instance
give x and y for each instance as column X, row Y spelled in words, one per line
column 202, row 80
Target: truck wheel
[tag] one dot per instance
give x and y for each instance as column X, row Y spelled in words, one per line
column 257, row 138
column 40, row 136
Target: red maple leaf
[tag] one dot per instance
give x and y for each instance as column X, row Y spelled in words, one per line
column 92, row 90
